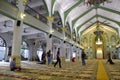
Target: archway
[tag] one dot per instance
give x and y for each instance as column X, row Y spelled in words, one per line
column 24, row 51
column 2, row 49
column 99, row 47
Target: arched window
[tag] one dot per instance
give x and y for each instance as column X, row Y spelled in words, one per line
column 24, row 51
column 2, row 48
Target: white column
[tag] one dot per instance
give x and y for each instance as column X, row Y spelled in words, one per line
column 49, row 43
column 118, row 53
column 80, row 52
column 77, row 52
column 119, row 32
column 49, row 36
column 71, row 51
column 63, row 49
column 54, row 52
column 17, row 34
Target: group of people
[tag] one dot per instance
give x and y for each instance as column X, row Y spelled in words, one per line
column 48, row 55
column 58, row 58
column 13, row 66
column 83, row 57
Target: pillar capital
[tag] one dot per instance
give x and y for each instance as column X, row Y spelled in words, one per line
column 50, row 18
column 63, row 29
column 77, row 39
column 71, row 34
column 23, row 1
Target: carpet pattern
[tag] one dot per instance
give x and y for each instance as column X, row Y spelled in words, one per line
column 113, row 70
column 34, row 71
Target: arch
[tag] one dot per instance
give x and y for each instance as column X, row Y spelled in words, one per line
column 68, row 30
column 113, row 40
column 60, row 12
column 24, row 50
column 2, row 42
column 46, row 7
column 2, row 48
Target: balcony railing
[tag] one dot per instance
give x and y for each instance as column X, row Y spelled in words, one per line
column 30, row 11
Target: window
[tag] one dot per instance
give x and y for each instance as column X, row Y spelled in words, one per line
column 2, row 48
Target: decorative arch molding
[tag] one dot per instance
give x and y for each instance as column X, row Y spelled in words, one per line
column 2, row 42
column 25, row 45
column 113, row 39
column 3, row 48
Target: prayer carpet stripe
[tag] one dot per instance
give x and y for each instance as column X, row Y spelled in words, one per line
column 101, row 73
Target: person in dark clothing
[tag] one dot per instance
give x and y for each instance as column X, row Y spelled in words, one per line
column 13, row 66
column 109, row 59
column 58, row 58
column 49, row 56
column 83, row 56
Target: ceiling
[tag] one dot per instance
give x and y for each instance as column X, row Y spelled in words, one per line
column 77, row 13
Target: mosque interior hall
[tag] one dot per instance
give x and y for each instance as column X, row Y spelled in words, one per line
column 29, row 29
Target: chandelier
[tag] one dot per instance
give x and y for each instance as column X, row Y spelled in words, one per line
column 98, row 32
column 98, row 42
column 97, row 2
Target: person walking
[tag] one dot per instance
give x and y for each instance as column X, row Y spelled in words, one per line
column 58, row 59
column 83, row 56
column 49, row 56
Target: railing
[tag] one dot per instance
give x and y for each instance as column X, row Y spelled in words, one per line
column 35, row 14
column 68, row 35
column 54, row 26
column 30, row 11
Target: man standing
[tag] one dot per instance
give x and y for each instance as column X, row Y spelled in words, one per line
column 83, row 56
column 49, row 56
column 58, row 58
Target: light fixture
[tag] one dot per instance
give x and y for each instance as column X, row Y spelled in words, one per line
column 98, row 34
column 98, row 42
column 51, row 31
column 22, row 15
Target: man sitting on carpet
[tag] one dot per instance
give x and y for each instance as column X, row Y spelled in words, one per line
column 109, row 59
column 13, row 66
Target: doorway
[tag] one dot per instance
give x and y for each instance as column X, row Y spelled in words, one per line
column 99, row 53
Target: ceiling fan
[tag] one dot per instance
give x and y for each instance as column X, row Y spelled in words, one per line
column 25, row 30
column 7, row 23
column 96, row 2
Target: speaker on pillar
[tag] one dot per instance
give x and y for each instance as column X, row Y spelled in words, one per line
column 33, row 43
column 18, row 22
column 50, row 35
